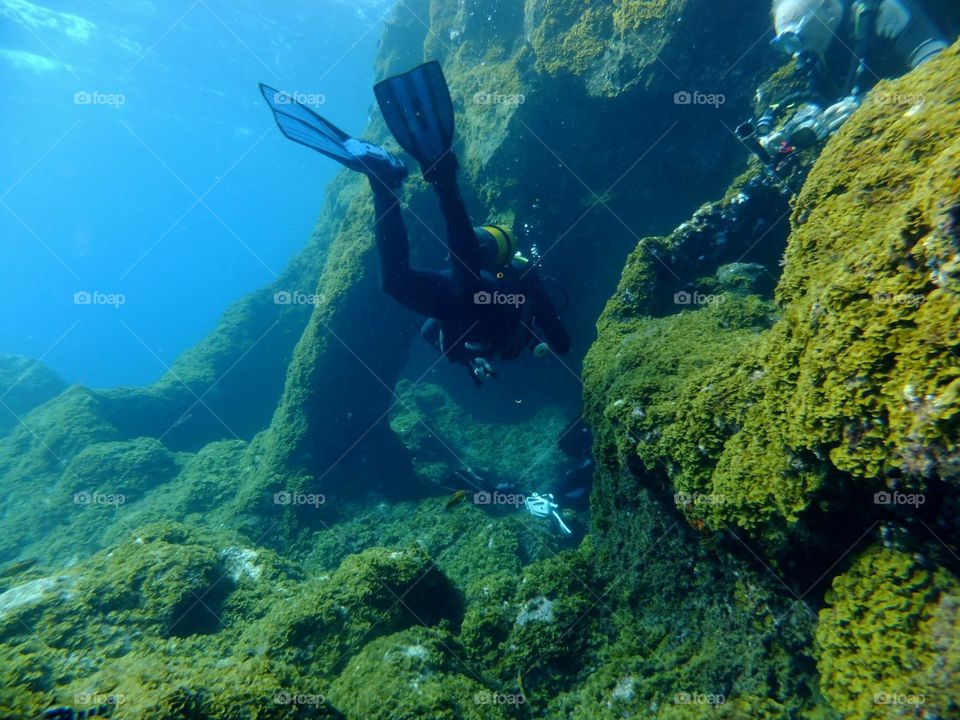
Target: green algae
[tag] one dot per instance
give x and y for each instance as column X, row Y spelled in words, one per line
column 886, row 640
column 849, row 380
column 633, row 15
column 569, row 37
column 178, row 622
column 719, row 445
column 129, row 468
column 414, row 674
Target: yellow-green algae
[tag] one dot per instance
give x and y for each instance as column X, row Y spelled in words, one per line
column 415, row 674
column 180, row 624
column 574, row 35
column 887, row 639
column 858, row 377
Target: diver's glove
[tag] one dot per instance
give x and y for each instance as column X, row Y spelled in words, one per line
column 481, row 369
column 838, row 113
column 543, row 506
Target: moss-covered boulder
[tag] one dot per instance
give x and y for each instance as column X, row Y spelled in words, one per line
column 415, row 674
column 164, row 577
column 24, row 385
column 374, row 593
column 128, row 469
column 887, row 639
column 467, row 542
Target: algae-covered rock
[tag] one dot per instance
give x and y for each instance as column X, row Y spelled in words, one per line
column 416, row 674
column 328, row 428
column 33, row 458
column 443, row 438
column 467, row 543
column 871, row 283
column 856, row 381
column 687, row 617
column 887, row 639
column 128, row 468
column 174, row 622
column 163, row 577
column 24, row 385
column 536, row 632
column 379, row 591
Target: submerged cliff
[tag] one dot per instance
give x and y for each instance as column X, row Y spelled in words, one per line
column 773, row 386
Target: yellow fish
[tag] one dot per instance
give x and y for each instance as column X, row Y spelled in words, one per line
column 458, row 497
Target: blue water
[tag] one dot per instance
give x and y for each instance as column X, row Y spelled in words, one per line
column 142, row 167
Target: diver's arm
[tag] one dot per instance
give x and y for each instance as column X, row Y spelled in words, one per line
column 461, row 240
column 915, row 36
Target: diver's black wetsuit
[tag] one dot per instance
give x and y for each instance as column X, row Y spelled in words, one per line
column 450, row 296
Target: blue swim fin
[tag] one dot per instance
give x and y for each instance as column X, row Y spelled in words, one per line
column 419, row 112
column 301, row 124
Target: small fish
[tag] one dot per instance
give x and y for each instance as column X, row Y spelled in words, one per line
column 17, row 567
column 458, row 497
column 68, row 713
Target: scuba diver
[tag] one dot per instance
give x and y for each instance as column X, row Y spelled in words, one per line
column 843, row 48
column 490, row 302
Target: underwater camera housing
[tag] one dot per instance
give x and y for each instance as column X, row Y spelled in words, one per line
column 747, row 133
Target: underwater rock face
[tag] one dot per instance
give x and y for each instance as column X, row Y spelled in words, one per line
column 128, row 468
column 24, row 385
column 854, row 390
column 794, row 431
column 507, row 71
column 734, row 430
column 227, row 386
column 30, row 592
